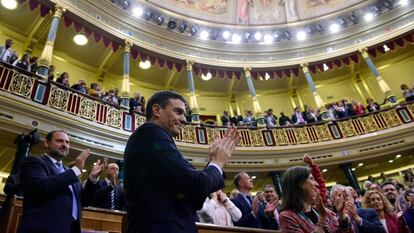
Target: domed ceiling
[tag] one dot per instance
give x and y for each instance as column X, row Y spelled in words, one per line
column 254, row 12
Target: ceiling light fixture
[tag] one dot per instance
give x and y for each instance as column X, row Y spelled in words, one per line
column 148, row 15
column 301, row 35
column 193, row 29
column 204, row 35
column 324, row 170
column 80, row 39
column 171, row 24
column 403, row 2
column 360, row 164
column 334, row 28
column 226, row 35
column 369, row 16
column 353, row 169
column 137, row 11
column 325, row 67
column 235, row 38
column 145, row 64
column 160, row 20
column 258, row 36
column 253, row 177
column 386, row 49
column 268, row 39
column 398, row 156
column 182, row 27
column 9, row 4
column 206, row 77
column 391, row 161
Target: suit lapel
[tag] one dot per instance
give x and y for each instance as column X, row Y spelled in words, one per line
column 50, row 164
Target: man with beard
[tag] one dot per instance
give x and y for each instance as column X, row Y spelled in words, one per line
column 390, row 191
column 51, row 191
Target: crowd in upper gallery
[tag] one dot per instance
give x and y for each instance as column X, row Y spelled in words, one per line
column 301, row 115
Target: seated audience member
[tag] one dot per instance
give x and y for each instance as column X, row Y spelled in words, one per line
column 219, row 210
column 270, row 118
column 409, row 212
column 116, row 94
column 284, row 120
column 225, row 118
column 23, row 63
column 300, row 193
column 236, row 119
column 375, row 186
column 80, row 86
column 52, row 192
column 297, row 117
column 358, row 108
column 311, row 115
column 110, row 98
column 376, row 200
column 407, row 93
column 340, row 110
column 330, row 111
column 390, row 191
column 109, row 193
column 364, row 220
column 372, row 106
column 51, row 73
column 248, row 207
column 349, row 109
column 268, row 209
column 63, row 79
column 7, row 54
column 33, row 64
column 95, row 91
column 409, row 179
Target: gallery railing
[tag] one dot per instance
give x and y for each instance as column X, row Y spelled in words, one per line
column 56, row 96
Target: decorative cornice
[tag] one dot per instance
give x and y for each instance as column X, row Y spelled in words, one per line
column 59, row 10
column 127, row 46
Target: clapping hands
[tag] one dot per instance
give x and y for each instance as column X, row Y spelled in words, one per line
column 221, row 149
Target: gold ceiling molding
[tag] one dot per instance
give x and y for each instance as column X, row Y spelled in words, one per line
column 215, row 53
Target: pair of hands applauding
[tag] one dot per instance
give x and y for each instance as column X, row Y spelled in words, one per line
column 221, row 149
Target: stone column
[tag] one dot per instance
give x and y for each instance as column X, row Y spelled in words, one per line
column 195, row 116
column 350, row 176
column 125, row 76
column 309, row 79
column 277, row 182
column 46, row 56
column 257, row 111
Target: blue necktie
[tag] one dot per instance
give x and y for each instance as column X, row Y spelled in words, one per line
column 74, row 201
column 249, row 198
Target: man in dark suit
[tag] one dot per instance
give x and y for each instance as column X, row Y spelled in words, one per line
column 363, row 219
column 268, row 212
column 109, row 193
column 243, row 201
column 162, row 189
column 52, row 192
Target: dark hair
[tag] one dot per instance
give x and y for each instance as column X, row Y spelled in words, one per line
column 269, row 186
column 49, row 136
column 388, row 183
column 293, row 195
column 237, row 178
column 162, row 98
column 94, row 85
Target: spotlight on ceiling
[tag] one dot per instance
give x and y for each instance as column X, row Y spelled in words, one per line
column 214, row 33
column 80, row 39
column 160, row 20
column 403, row 2
column 325, row 67
column 137, row 11
column 360, row 164
column 193, row 29
column 287, row 35
column 334, row 28
column 182, row 27
column 387, row 5
column 9, row 4
column 369, row 16
column 301, row 35
column 391, row 161
column 236, row 38
column 320, row 29
column 226, row 35
column 386, row 48
column 342, row 22
column 353, row 169
column 204, row 35
column 253, row 177
column 145, row 64
column 206, row 77
column 353, row 19
column 171, row 24
column 324, row 170
column 125, row 4
column 268, row 38
column 148, row 15
column 247, row 36
column 398, row 156
column 258, row 36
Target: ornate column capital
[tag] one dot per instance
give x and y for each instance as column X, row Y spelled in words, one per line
column 364, row 52
column 304, row 67
column 127, row 46
column 247, row 70
column 59, row 10
column 189, row 64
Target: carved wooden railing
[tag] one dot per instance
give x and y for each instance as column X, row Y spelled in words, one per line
column 29, row 86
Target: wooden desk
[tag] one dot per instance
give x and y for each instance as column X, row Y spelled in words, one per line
column 102, row 220
column 210, row 228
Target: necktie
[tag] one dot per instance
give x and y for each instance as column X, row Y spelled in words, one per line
column 249, row 198
column 74, row 200
column 113, row 199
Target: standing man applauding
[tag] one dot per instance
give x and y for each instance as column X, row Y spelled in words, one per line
column 163, row 190
column 51, row 191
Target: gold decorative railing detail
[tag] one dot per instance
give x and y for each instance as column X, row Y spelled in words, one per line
column 23, row 84
column 58, row 98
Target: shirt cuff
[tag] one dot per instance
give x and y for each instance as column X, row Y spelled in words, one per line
column 217, row 166
column 93, row 180
column 76, row 170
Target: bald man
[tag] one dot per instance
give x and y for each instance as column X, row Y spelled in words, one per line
column 109, row 194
